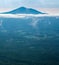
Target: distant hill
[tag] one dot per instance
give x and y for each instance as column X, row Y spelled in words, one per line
column 24, row 10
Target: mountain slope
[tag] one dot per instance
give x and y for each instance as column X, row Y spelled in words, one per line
column 23, row 10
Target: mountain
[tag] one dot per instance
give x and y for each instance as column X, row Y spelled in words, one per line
column 24, row 10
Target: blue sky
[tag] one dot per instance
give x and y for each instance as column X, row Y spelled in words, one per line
column 29, row 3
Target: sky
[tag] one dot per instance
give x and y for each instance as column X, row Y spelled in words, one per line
column 49, row 6
column 29, row 3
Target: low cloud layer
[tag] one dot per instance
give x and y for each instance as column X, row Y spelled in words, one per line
column 25, row 15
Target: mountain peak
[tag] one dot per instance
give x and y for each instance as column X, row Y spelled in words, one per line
column 23, row 7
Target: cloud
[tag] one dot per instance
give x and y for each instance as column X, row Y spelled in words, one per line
column 32, row 37
column 26, row 16
column 11, row 16
column 34, row 22
column 4, row 31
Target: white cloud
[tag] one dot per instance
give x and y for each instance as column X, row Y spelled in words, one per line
column 26, row 16
column 34, row 22
column 11, row 16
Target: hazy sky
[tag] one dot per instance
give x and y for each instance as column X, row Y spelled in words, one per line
column 29, row 3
